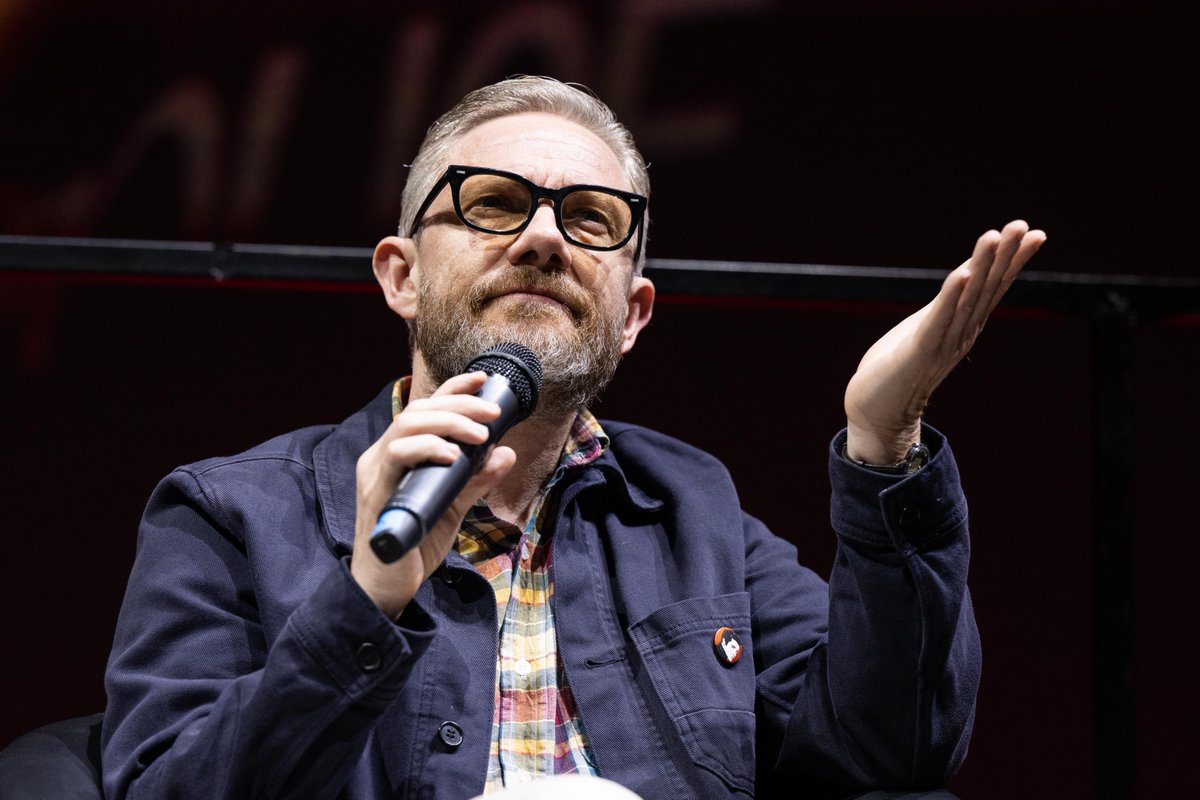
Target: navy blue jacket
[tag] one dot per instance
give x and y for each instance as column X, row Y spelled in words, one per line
column 247, row 663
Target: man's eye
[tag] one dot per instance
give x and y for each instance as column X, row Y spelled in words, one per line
column 590, row 223
column 591, row 215
column 499, row 202
column 588, row 215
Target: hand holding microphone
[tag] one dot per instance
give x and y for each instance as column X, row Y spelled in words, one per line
column 426, row 491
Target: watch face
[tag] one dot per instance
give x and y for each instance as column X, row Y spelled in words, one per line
column 917, row 457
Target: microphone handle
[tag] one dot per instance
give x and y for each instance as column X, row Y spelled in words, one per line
column 427, row 490
column 401, row 525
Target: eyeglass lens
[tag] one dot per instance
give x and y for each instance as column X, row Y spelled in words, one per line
column 499, row 204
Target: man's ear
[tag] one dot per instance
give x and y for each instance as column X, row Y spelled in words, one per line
column 639, row 307
column 396, row 271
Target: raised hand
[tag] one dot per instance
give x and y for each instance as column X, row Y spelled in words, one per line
column 895, row 379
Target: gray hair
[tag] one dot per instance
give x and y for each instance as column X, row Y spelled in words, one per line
column 518, row 95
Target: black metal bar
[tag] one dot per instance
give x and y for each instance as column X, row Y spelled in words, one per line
column 1069, row 293
column 1114, row 595
column 213, row 260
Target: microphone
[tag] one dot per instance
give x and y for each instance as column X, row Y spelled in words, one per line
column 426, row 491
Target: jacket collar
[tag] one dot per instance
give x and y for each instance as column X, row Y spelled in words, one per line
column 607, row 473
column 335, row 459
column 334, row 462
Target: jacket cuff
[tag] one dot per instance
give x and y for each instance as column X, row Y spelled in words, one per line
column 353, row 641
column 901, row 512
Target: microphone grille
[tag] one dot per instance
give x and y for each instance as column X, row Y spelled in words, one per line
column 519, row 365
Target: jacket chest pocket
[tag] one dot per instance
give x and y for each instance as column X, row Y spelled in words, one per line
column 700, row 660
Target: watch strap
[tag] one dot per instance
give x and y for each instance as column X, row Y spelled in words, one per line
column 917, row 456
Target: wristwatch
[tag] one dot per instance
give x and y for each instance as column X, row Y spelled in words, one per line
column 917, row 456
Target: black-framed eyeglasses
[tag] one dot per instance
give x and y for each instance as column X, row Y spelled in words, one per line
column 494, row 201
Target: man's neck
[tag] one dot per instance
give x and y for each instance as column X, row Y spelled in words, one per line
column 538, row 444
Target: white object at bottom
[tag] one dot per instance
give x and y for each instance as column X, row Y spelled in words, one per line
column 576, row 787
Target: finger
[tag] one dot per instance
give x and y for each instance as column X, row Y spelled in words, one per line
column 1010, row 242
column 468, row 405
column 494, row 468
column 1024, row 243
column 451, row 423
column 944, row 307
column 421, row 449
column 996, row 284
column 466, row 383
column 379, row 468
column 978, row 267
column 458, row 394
column 1031, row 242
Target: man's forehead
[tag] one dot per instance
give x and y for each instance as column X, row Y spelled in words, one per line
column 545, row 148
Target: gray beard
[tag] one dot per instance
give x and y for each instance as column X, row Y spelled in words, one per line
column 448, row 332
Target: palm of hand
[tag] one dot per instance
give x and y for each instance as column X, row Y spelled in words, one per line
column 896, row 377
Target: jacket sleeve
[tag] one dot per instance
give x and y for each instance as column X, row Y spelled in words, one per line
column 883, row 697
column 201, row 704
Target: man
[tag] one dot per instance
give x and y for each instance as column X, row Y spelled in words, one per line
column 594, row 602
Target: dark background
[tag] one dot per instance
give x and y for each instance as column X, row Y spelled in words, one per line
column 849, row 133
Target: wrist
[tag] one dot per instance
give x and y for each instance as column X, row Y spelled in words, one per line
column 881, row 449
column 385, row 585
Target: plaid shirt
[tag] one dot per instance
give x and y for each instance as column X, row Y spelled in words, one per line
column 536, row 729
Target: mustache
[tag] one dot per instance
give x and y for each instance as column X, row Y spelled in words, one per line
column 533, row 281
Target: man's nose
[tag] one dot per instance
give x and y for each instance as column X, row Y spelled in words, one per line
column 541, row 243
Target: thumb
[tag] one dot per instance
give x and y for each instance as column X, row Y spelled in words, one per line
column 495, row 466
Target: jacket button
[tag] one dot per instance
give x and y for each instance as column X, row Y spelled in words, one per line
column 451, row 734
column 910, row 517
column 448, row 576
column 368, row 657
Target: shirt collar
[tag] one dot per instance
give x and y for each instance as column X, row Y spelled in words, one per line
column 585, row 443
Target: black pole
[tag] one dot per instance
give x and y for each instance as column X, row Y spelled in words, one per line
column 1113, row 556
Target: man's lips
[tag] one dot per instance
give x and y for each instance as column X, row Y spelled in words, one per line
column 534, row 294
